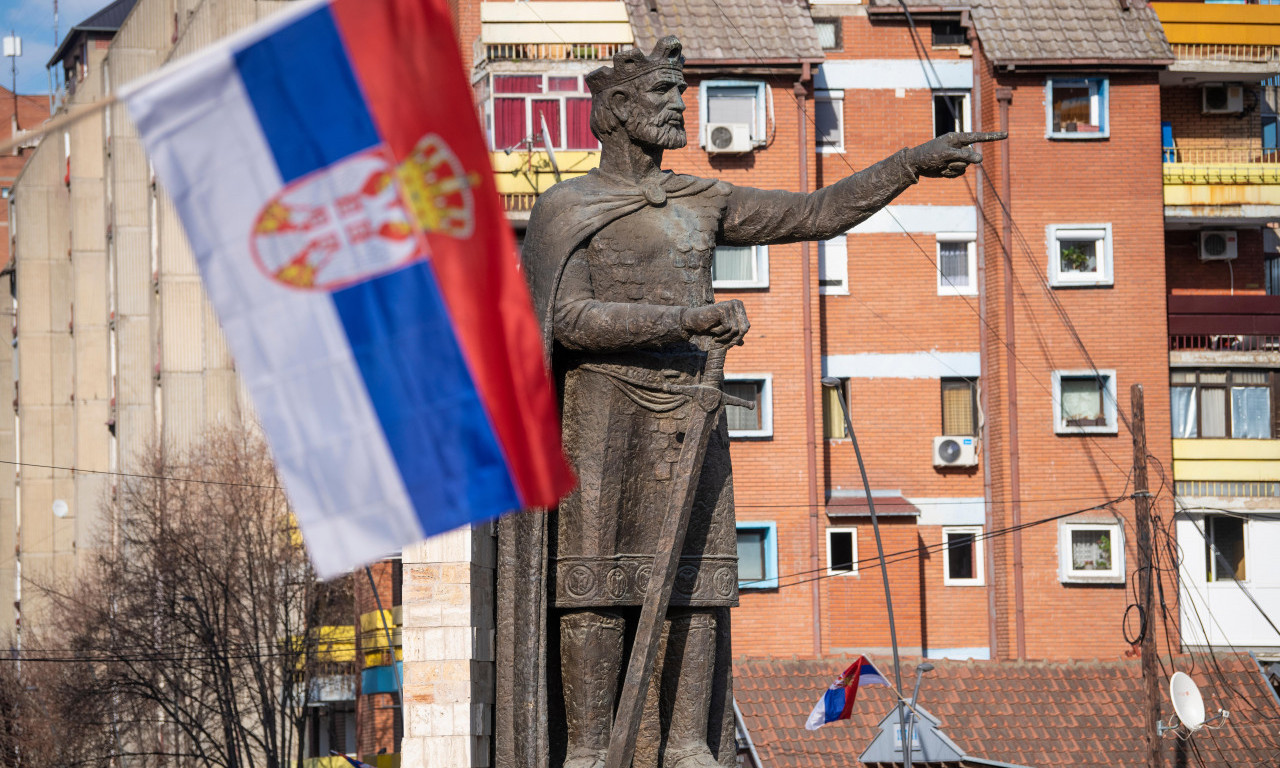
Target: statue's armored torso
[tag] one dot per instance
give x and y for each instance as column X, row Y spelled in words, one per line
column 625, row 413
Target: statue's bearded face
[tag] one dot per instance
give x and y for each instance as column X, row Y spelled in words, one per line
column 656, row 118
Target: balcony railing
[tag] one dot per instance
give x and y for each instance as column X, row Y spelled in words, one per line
column 1224, row 323
column 1221, row 165
column 547, row 51
column 1224, row 342
column 1227, row 53
column 1221, row 155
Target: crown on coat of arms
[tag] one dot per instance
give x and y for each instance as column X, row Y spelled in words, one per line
column 631, row 63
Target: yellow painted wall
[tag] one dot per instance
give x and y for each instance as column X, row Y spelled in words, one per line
column 528, row 173
column 1221, row 194
column 1198, row 23
column 1227, row 460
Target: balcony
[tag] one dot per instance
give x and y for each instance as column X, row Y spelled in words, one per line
column 1215, row 41
column 1224, row 330
column 1212, row 182
column 1251, row 462
column 523, row 175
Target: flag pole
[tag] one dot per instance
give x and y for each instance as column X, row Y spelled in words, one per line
column 837, row 385
column 65, row 120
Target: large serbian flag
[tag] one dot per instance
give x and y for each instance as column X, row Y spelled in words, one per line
column 837, row 702
column 333, row 181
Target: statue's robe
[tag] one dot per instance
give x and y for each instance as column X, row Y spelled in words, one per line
column 611, row 267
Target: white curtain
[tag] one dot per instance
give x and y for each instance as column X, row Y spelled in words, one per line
column 1213, row 404
column 1182, row 401
column 734, row 262
column 1081, row 399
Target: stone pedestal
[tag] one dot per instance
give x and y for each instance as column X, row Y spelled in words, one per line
column 448, row 650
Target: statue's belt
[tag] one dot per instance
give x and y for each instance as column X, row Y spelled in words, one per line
column 653, row 393
column 706, row 580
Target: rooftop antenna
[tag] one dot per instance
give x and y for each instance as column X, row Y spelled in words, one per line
column 1188, row 708
column 13, row 49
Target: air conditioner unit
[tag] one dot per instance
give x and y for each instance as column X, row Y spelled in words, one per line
column 732, row 138
column 955, row 451
column 1217, row 245
column 1220, row 99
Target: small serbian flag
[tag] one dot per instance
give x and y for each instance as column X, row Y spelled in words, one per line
column 354, row 762
column 837, row 702
column 330, row 172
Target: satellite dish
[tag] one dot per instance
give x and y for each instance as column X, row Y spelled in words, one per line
column 60, row 508
column 1187, row 701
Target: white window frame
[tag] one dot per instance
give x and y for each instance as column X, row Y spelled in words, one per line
column 945, row 288
column 1101, row 233
column 1068, row 575
column 966, row 115
column 546, row 95
column 761, row 279
column 759, row 131
column 765, row 405
column 1108, row 401
column 978, row 562
column 853, row 534
column 837, row 99
column 833, row 264
column 770, row 528
column 1099, row 108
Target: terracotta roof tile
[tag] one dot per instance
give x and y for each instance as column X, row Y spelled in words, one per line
column 1027, row 713
column 728, row 29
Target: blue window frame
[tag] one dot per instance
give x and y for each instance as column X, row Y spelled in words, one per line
column 757, row 555
column 1076, row 108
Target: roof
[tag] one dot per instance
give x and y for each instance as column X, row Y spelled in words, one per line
column 1044, row 31
column 765, row 31
column 107, row 19
column 1041, row 714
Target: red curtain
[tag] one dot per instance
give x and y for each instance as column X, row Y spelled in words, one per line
column 578, row 119
column 508, row 123
column 550, row 110
column 517, row 83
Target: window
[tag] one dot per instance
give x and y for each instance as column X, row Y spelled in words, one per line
column 1079, row 255
column 959, row 407
column 842, row 551
column 740, row 266
column 1224, row 548
column 1084, row 402
column 947, row 33
column 1077, row 108
column 828, row 33
column 4, row 193
column 950, row 112
column 522, row 102
column 828, row 120
column 733, row 101
column 755, row 388
column 833, row 427
column 957, row 264
column 1091, row 552
column 757, row 556
column 833, row 266
column 1222, row 404
column 962, row 556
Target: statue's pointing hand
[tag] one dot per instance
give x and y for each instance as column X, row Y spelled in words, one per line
column 949, row 155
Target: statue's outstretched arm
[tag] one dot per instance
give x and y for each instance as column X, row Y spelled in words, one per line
column 761, row 217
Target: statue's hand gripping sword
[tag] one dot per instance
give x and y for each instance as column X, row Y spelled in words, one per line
column 708, row 400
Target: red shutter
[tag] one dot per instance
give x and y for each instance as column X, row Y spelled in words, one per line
column 578, row 119
column 508, row 123
column 550, row 110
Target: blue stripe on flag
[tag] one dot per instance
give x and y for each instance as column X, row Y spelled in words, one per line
column 834, row 700
column 306, row 96
column 421, row 388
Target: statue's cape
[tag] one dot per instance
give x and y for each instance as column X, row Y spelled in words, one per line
column 563, row 220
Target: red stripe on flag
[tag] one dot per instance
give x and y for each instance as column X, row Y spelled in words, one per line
column 851, row 689
column 407, row 60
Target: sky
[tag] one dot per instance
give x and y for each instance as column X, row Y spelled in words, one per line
column 32, row 20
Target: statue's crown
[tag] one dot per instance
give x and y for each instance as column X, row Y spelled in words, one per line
column 631, row 63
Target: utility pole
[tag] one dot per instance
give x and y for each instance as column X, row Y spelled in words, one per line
column 1142, row 511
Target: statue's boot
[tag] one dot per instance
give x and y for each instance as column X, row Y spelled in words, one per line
column 691, row 655
column 590, row 662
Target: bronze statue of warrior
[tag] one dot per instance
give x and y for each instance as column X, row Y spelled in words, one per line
column 619, row 264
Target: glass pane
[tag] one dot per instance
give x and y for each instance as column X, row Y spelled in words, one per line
column 957, row 408
column 1213, row 412
column 827, row 29
column 751, row 555
column 517, row 83
column 1226, row 534
column 948, row 113
column 1213, row 377
column 1182, row 401
column 1240, row 378
column 953, row 261
column 739, row 417
column 547, row 113
column 732, row 105
column 734, row 262
column 840, row 550
column 1070, row 106
column 562, row 84
column 960, row 563
column 1183, row 377
column 1090, row 550
column 833, row 262
column 1251, row 412
column 832, row 416
column 826, row 119
column 1080, row 256
column 509, row 128
column 1082, row 402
